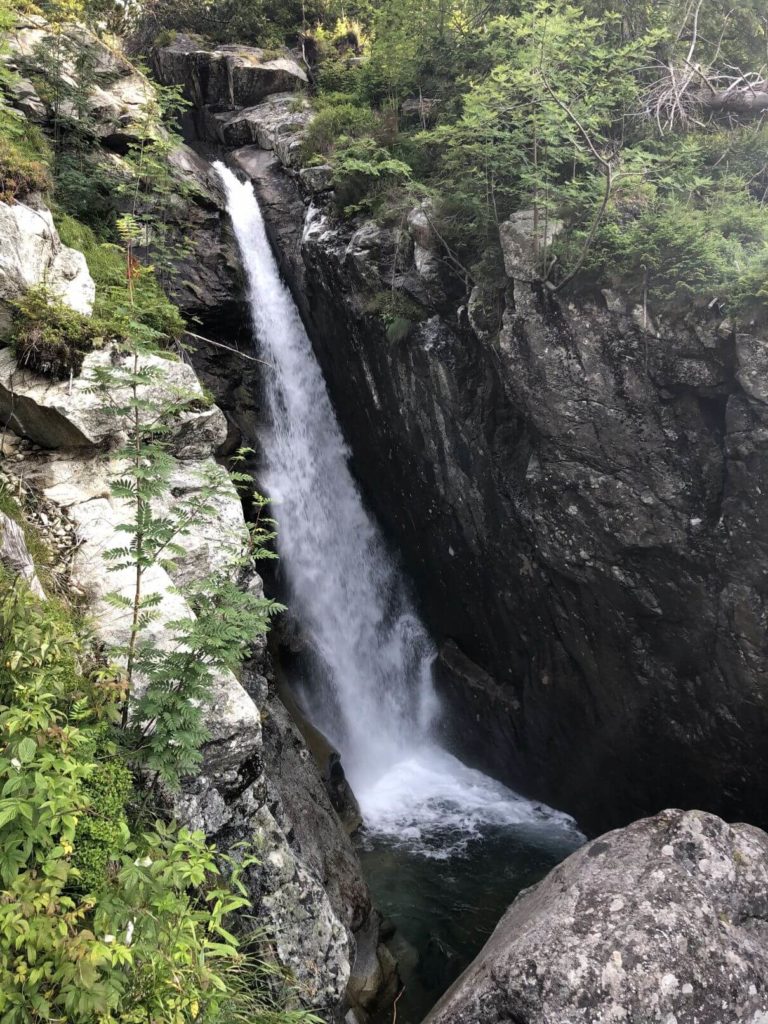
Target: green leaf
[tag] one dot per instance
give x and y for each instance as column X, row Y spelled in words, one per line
column 27, row 750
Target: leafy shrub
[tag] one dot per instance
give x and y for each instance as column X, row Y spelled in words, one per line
column 101, row 829
column 362, row 171
column 85, row 186
column 151, row 308
column 164, row 38
column 398, row 311
column 337, row 117
column 336, row 74
column 51, row 338
column 146, row 940
column 706, row 245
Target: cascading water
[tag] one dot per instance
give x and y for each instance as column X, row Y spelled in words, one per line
column 376, row 701
column 446, row 848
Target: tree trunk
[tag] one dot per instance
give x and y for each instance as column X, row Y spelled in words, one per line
column 735, row 101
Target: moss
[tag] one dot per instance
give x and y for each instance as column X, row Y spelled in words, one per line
column 51, row 338
column 398, row 311
column 25, row 157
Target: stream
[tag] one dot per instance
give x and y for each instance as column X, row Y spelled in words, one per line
column 445, row 848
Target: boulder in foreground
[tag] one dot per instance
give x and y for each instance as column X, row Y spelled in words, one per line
column 665, row 920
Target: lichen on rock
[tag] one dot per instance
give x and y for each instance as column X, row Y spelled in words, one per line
column 665, row 920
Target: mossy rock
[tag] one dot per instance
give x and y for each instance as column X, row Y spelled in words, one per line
column 49, row 337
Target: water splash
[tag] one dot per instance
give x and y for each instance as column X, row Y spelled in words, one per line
column 372, row 690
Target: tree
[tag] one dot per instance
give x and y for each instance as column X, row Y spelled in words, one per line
column 546, row 121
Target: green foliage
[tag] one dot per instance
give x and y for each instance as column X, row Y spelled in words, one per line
column 24, row 156
column 398, row 311
column 24, row 152
column 337, row 75
column 266, row 23
column 363, row 171
column 590, row 113
column 101, row 827
column 152, row 312
column 337, row 118
column 677, row 247
column 225, row 624
column 146, row 939
column 164, row 724
column 86, row 185
column 49, row 336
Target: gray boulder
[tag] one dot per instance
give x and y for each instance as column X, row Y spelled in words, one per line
column 524, row 237
column 752, row 365
column 70, row 414
column 32, row 254
column 665, row 920
column 419, row 110
column 206, row 280
column 317, row 179
column 225, row 77
column 278, row 123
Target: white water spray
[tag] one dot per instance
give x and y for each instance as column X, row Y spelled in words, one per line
column 375, row 700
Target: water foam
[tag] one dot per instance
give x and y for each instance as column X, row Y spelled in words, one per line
column 372, row 691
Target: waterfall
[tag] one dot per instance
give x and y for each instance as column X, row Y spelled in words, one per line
column 372, row 691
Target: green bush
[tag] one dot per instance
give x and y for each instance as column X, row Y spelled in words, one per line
column 101, row 827
column 85, row 186
column 51, row 338
column 362, row 172
column 107, row 264
column 398, row 311
column 337, row 75
column 706, row 245
column 144, row 940
column 337, row 117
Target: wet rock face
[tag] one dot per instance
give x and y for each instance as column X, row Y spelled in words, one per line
column 665, row 920
column 576, row 492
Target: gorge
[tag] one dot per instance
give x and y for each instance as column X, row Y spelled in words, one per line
column 510, row 425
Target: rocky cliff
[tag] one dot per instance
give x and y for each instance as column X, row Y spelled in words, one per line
column 258, row 783
column 575, row 487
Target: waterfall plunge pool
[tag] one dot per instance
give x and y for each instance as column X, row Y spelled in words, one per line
column 445, row 851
